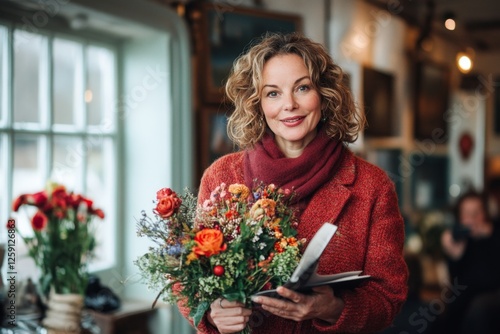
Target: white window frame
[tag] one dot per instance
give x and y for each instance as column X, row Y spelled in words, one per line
column 48, row 131
column 176, row 136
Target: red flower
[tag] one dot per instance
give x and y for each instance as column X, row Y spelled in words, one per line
column 88, row 202
column 164, row 192
column 267, row 286
column 18, row 202
column 38, row 199
column 59, row 191
column 39, row 221
column 231, row 214
column 74, row 200
column 168, row 203
column 99, row 213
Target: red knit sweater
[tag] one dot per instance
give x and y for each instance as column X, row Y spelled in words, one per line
column 361, row 200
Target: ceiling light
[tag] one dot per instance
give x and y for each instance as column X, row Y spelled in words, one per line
column 449, row 20
column 464, row 62
column 450, row 24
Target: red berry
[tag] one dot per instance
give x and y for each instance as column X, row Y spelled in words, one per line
column 219, row 270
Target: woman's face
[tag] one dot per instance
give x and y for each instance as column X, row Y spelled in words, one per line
column 291, row 106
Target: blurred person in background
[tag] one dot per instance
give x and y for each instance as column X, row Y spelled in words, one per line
column 472, row 248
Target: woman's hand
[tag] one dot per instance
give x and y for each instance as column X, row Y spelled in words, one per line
column 228, row 317
column 321, row 304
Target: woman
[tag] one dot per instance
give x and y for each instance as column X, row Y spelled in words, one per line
column 470, row 248
column 293, row 114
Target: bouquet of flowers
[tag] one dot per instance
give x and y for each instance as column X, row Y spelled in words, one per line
column 233, row 245
column 63, row 237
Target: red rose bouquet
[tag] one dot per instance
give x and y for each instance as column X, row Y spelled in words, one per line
column 235, row 244
column 63, row 237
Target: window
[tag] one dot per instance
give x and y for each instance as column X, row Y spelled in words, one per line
column 57, row 122
column 143, row 51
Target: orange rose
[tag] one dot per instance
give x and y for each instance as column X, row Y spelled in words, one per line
column 168, row 203
column 209, row 242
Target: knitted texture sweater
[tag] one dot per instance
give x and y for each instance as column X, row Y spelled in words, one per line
column 359, row 199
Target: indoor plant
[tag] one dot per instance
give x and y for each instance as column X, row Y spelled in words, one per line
column 62, row 243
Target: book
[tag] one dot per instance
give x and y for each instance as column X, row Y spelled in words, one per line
column 305, row 276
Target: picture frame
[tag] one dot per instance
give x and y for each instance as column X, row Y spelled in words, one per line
column 430, row 182
column 213, row 141
column 222, row 33
column 378, row 103
column 432, row 94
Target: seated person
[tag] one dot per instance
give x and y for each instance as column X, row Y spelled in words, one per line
column 472, row 248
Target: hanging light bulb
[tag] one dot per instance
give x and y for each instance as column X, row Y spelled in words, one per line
column 449, row 21
column 464, row 62
column 450, row 24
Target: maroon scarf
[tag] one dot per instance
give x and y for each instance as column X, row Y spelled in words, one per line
column 305, row 174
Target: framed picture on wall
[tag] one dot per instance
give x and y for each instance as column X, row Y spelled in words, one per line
column 213, row 141
column 222, row 33
column 378, row 103
column 431, row 98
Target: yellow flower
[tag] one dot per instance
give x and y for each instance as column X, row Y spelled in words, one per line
column 240, row 191
column 191, row 257
column 275, row 223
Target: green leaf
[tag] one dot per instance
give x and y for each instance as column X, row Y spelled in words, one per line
column 238, row 295
column 200, row 312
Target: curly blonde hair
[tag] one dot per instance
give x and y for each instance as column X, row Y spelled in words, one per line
column 246, row 125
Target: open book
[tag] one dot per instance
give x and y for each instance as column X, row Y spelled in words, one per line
column 305, row 276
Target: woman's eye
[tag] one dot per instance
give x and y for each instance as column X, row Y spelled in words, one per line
column 304, row 88
column 272, row 94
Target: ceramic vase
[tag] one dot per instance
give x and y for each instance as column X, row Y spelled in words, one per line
column 64, row 313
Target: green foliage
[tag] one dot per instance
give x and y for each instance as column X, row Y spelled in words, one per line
column 63, row 238
column 258, row 249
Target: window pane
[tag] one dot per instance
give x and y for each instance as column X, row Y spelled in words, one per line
column 69, row 159
column 100, row 176
column 100, row 82
column 28, row 171
column 67, row 80
column 27, row 60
